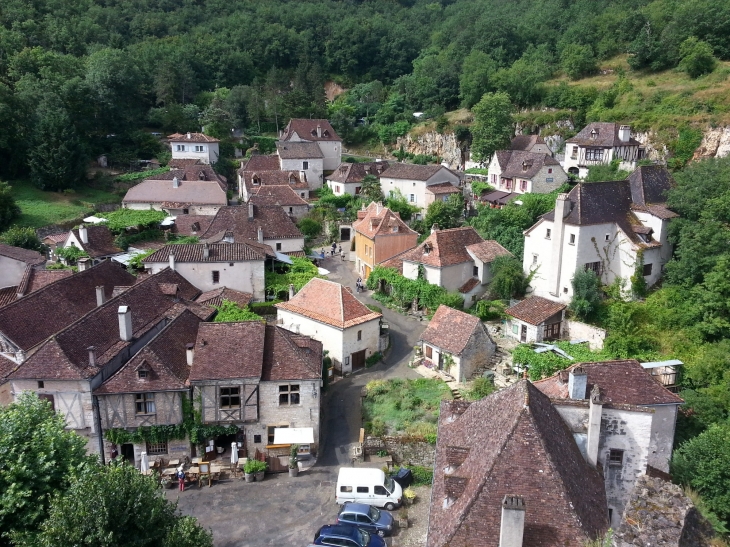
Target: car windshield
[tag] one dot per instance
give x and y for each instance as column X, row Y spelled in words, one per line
column 374, row 514
column 389, row 485
column 364, row 537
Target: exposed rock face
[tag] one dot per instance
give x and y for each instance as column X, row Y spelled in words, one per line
column 715, row 143
column 555, row 141
column 434, row 144
column 660, row 514
column 655, row 149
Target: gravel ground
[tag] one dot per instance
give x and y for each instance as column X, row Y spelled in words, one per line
column 415, row 535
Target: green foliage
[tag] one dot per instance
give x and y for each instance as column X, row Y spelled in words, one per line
column 9, row 210
column 478, row 187
column 370, row 188
column 638, row 282
column 542, row 365
column 139, row 175
column 115, row 505
column 398, row 203
column 703, row 463
column 401, row 291
column 508, row 278
column 373, row 359
column 298, row 274
column 136, row 261
column 476, row 73
column 606, row 171
column 182, row 240
column 696, row 57
column 41, row 458
column 683, row 148
column 492, row 128
column 487, row 310
column 25, row 238
column 124, row 240
column 578, row 61
column 71, row 254
column 229, row 312
column 309, row 227
column 422, row 476
column 254, row 466
column 401, row 406
column 121, row 219
column 445, row 214
column 586, row 294
column 480, row 388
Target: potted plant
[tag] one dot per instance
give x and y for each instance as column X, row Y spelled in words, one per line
column 247, row 475
column 409, row 496
column 293, row 465
column 256, row 468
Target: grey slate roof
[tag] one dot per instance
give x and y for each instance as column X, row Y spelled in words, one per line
column 650, row 184
column 411, row 171
column 606, row 137
column 298, row 150
column 524, row 165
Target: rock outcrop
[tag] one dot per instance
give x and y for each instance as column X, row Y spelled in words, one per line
column 659, row 514
column 434, row 144
column 715, row 143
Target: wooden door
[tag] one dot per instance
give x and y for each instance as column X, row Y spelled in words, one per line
column 358, row 360
column 429, row 352
column 523, row 334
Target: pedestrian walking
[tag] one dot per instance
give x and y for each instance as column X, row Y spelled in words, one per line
column 181, row 478
column 342, row 255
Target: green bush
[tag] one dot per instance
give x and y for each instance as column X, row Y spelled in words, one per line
column 121, row 219
column 128, row 177
column 373, row 359
column 25, row 238
column 422, row 476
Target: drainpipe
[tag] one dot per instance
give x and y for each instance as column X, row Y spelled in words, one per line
column 97, row 423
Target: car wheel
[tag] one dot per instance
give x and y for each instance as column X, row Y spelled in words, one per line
column 381, row 533
column 389, row 506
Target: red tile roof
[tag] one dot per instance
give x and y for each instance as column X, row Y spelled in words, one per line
column 281, row 195
column 191, row 225
column 524, row 165
column 535, row 310
column 469, row 285
column 22, row 255
column 37, row 278
column 59, row 304
column 620, row 382
column 191, row 137
column 606, row 135
column 307, row 130
column 353, row 173
column 217, row 252
column 381, row 221
column 525, row 142
column 164, row 358
column 487, row 250
column 512, row 443
column 8, row 295
column 219, row 355
column 444, row 247
column 182, row 163
column 274, row 222
column 330, row 303
column 217, row 296
column 100, row 241
column 289, row 356
column 291, row 150
column 294, row 179
column 262, row 162
column 56, row 238
column 451, row 329
column 443, row 188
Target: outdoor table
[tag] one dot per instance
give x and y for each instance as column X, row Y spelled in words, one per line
column 170, row 471
column 215, row 471
column 195, row 461
column 173, row 463
column 193, row 473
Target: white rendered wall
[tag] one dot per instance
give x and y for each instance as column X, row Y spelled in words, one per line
column 242, row 276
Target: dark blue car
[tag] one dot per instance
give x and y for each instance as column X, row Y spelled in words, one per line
column 345, row 535
column 367, row 517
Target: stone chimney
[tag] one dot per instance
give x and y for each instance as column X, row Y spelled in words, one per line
column 624, row 133
column 228, row 237
column 92, row 356
column 100, row 296
column 172, row 262
column 206, row 251
column 250, row 210
column 260, row 234
column 188, row 135
column 378, row 207
column 434, row 228
column 319, row 131
column 125, row 323
column 83, row 264
column 512, row 526
column 175, row 182
column 562, row 208
column 595, row 409
column 577, row 383
column 83, row 234
column 291, row 291
column 190, row 353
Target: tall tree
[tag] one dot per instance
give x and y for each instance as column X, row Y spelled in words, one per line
column 371, row 189
column 475, row 79
column 9, row 210
column 493, row 125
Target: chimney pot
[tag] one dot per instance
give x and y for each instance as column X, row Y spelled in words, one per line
column 172, row 262
column 125, row 323
column 512, row 527
column 83, row 234
column 100, row 296
column 83, row 264
column 206, row 251
column 291, row 291
column 319, row 131
column 188, row 135
column 260, row 234
column 190, row 353
column 595, row 409
column 577, row 383
column 175, row 182
column 250, row 210
column 92, row 356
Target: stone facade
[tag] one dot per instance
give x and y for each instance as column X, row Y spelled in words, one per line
column 119, row 410
column 715, row 143
column 313, row 167
column 406, row 451
column 575, row 330
column 415, row 190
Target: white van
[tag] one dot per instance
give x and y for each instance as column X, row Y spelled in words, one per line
column 371, row 486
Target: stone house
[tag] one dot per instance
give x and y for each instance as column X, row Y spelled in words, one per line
column 329, row 312
column 613, row 228
column 238, row 266
column 319, row 132
column 266, row 224
column 521, row 172
column 275, row 383
column 622, row 418
column 457, row 260
column 347, row 178
column 508, row 472
column 380, row 234
column 283, row 196
column 13, row 263
column 149, row 390
column 412, row 180
column 251, row 180
column 457, row 343
column 599, row 143
column 193, row 189
column 535, row 319
column 195, row 146
column 530, row 143
column 305, row 157
column 97, row 241
column 53, row 242
column 69, row 365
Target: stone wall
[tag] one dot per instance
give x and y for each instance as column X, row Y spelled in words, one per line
column 404, row 450
column 575, row 330
column 660, row 514
column 434, row 144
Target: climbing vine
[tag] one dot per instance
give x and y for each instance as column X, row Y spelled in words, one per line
column 638, row 283
column 403, row 291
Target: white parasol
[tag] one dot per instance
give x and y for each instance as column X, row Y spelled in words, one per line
column 144, row 464
column 234, row 453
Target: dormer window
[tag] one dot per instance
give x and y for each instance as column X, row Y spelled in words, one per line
column 256, row 180
column 292, row 179
column 524, row 166
column 394, row 229
column 427, row 248
column 142, row 374
column 594, row 134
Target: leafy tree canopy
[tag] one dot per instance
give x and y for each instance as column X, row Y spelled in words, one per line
column 22, row 237
column 9, row 210
column 493, row 125
column 229, row 312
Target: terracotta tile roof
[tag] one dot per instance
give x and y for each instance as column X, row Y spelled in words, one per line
column 650, row 184
column 512, row 443
column 289, row 356
column 607, row 136
column 217, row 296
column 274, row 222
column 498, row 198
column 444, row 247
column 354, row 172
column 262, row 162
column 59, row 304
column 381, row 221
column 535, row 310
column 182, row 163
column 451, row 329
column 469, row 285
column 395, row 262
column 36, row 278
column 283, row 196
column 218, row 354
column 620, row 382
column 100, row 241
column 524, row 165
column 65, row 356
column 307, row 130
column 298, row 150
column 659, row 211
column 8, row 295
column 164, row 358
column 273, row 178
column 192, row 225
column 217, row 252
column 526, row 142
column 56, row 238
column 22, row 255
column 487, row 250
column 191, row 137
column 191, row 173
column 6, row 367
column 443, row 188
column 330, row 303
column 411, row 171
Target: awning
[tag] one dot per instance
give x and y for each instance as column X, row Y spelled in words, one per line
column 95, row 220
column 124, row 258
column 322, row 271
column 657, row 364
column 281, row 257
column 293, row 435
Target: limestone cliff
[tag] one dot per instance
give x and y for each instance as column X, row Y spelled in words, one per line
column 434, row 144
column 715, row 143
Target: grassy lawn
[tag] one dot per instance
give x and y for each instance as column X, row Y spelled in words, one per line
column 408, row 407
column 40, row 208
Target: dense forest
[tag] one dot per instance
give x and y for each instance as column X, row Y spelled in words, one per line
column 83, row 77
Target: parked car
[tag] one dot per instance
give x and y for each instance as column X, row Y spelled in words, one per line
column 346, row 535
column 371, row 486
column 366, row 517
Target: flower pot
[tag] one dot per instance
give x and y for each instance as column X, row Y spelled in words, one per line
column 293, row 471
column 248, row 477
column 259, row 476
